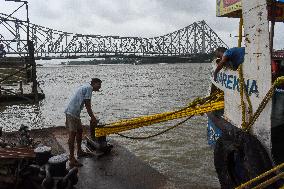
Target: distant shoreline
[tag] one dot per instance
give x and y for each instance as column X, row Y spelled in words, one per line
column 121, row 62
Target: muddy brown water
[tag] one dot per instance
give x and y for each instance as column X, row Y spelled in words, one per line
column 130, row 91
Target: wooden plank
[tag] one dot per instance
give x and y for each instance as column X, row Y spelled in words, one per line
column 16, row 153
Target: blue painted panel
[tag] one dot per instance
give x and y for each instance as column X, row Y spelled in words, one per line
column 213, row 133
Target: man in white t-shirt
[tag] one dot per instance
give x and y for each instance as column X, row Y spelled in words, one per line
column 73, row 122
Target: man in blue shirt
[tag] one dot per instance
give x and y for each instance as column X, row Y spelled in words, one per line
column 231, row 58
column 73, row 122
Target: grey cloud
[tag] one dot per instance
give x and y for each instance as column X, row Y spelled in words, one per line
column 121, row 11
column 44, row 9
column 142, row 18
column 190, row 7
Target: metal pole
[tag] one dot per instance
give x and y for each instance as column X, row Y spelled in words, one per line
column 28, row 21
column 21, row 87
column 240, row 32
column 31, row 60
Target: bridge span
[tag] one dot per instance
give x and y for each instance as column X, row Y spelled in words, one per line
column 196, row 38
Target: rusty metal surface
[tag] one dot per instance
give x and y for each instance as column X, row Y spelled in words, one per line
column 16, row 153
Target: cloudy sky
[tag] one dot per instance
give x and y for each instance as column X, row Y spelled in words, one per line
column 140, row 18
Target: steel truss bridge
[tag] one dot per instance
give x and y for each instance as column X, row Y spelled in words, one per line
column 197, row 38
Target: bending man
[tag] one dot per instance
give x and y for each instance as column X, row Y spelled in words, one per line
column 73, row 122
column 231, row 58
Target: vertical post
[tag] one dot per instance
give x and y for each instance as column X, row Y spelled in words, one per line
column 28, row 21
column 240, row 32
column 18, row 36
column 273, row 9
column 203, row 37
column 21, row 87
column 31, row 60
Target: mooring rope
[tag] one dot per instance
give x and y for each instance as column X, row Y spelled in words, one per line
column 157, row 134
column 197, row 107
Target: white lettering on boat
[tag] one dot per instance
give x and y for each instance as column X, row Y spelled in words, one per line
column 232, row 82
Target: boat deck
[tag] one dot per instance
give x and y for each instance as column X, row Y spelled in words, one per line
column 120, row 170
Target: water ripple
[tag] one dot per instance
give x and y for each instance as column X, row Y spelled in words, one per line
column 130, row 91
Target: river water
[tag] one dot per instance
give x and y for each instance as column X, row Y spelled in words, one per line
column 130, row 91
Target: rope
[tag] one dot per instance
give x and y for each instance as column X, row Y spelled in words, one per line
column 251, row 121
column 245, row 185
column 270, row 181
column 253, row 117
column 197, row 107
column 157, row 134
column 243, row 105
column 268, row 96
column 157, row 117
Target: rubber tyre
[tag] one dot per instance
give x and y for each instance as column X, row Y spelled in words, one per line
column 239, row 158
